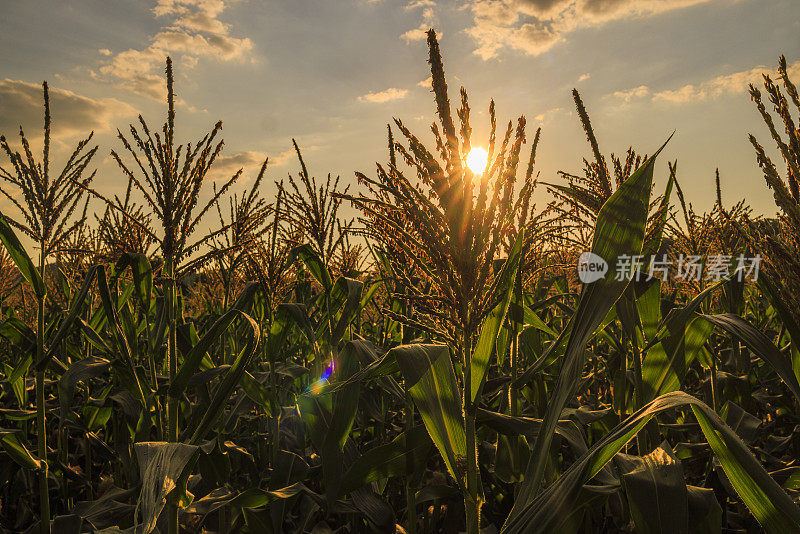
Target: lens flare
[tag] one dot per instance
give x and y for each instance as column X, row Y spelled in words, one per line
column 318, row 384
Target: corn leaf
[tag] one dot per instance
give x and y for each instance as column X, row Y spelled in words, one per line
column 21, row 258
column 491, row 325
column 619, row 231
column 760, row 345
column 17, row 451
column 410, row 448
column 431, row 381
column 768, row 502
column 656, row 491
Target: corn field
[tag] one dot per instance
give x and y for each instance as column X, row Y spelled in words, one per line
column 432, row 363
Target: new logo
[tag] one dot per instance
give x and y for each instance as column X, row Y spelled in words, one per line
column 591, row 267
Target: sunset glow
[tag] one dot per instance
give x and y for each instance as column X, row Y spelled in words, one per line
column 476, row 159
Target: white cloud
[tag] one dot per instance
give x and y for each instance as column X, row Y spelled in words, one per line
column 725, row 84
column 735, row 83
column 193, row 32
column 631, row 94
column 535, row 26
column 426, row 82
column 22, row 104
column 390, row 94
column 416, row 34
column 428, row 21
column 584, row 77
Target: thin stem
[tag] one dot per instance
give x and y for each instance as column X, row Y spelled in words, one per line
column 172, row 402
column 472, row 501
column 41, row 424
column 411, row 501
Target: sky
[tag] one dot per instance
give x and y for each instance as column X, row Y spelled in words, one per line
column 332, row 74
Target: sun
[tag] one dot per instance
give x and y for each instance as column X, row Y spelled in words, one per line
column 476, row 160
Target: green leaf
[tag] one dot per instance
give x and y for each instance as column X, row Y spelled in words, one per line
column 314, row 264
column 78, row 372
column 297, row 313
column 75, row 308
column 771, row 506
column 120, row 341
column 479, row 362
column 767, row 501
column 352, row 291
column 531, row 318
column 191, row 362
column 142, row 275
column 656, row 491
column 619, row 231
column 431, row 382
column 251, row 498
column 666, row 362
column 17, row 451
column 231, row 379
column 18, row 333
column 389, row 460
column 760, row 345
column 769, row 289
column 21, row 258
column 654, row 236
column 384, row 366
column 344, row 401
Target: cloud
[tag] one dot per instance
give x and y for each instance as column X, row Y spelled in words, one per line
column 631, row 94
column 426, row 82
column 416, row 34
column 21, row 104
column 250, row 162
column 193, row 32
column 535, row 26
column 725, row 84
column 534, row 38
column 735, row 83
column 548, row 115
column 225, row 166
column 584, row 77
column 428, row 21
column 384, row 96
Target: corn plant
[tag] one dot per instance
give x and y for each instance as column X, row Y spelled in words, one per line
column 48, row 203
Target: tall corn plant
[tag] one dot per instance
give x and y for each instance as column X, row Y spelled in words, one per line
column 780, row 243
column 47, row 205
column 118, row 235
column 313, row 209
column 247, row 221
column 171, row 179
column 451, row 225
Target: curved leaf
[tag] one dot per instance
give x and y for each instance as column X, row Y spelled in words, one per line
column 431, row 382
column 768, row 502
column 619, row 232
column 759, row 344
column 21, row 258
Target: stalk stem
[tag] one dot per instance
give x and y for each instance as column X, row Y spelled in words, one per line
column 472, row 503
column 411, row 500
column 172, row 402
column 41, row 409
